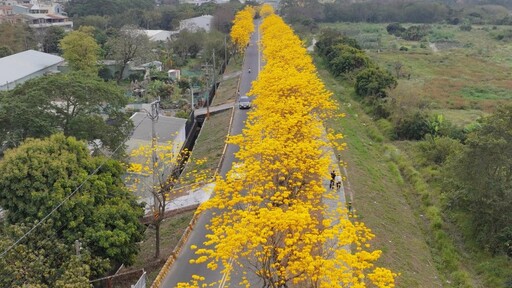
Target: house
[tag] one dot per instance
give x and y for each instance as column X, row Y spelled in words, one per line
column 18, row 68
column 40, row 16
column 8, row 16
column 170, row 131
column 159, row 35
column 196, row 23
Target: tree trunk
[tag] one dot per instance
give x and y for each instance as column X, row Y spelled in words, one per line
column 157, row 239
column 120, row 76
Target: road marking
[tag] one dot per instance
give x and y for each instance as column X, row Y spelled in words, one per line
column 224, row 278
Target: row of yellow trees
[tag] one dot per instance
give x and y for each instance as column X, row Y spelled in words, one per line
column 270, row 219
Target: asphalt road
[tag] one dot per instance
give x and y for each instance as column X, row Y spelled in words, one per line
column 182, row 270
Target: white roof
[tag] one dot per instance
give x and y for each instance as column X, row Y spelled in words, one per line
column 17, row 66
column 197, row 22
column 159, row 35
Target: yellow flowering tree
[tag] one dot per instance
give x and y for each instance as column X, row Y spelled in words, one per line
column 273, row 219
column 156, row 168
column 242, row 28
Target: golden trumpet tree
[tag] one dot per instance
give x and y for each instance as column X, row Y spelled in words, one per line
column 266, row 10
column 271, row 216
column 157, row 169
column 242, row 28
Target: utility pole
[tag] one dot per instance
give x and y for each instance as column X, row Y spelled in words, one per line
column 225, row 52
column 153, row 115
column 214, row 88
column 158, row 201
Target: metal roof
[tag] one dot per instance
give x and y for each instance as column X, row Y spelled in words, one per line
column 20, row 65
column 166, row 129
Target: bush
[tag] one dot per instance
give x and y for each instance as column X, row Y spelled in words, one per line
column 412, row 126
column 436, row 150
column 374, row 82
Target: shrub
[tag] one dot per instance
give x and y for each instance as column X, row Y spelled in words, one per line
column 436, row 150
column 412, row 126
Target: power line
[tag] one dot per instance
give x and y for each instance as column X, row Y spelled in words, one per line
column 72, row 193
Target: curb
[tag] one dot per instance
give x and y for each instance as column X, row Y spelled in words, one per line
column 174, row 254
column 217, row 170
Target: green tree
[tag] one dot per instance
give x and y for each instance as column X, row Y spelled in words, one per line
column 347, row 59
column 81, row 51
column 51, row 39
column 188, row 43
column 17, row 37
column 103, row 214
column 130, row 44
column 373, row 81
column 79, row 105
column 481, row 182
column 43, row 260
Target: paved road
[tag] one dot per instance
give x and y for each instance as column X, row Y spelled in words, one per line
column 182, row 270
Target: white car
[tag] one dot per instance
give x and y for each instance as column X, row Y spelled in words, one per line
column 244, row 103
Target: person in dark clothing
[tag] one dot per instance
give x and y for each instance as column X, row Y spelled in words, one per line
column 333, row 175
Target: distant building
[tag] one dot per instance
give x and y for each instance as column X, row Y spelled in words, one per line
column 40, row 16
column 18, row 68
column 159, row 35
column 196, row 23
column 168, row 130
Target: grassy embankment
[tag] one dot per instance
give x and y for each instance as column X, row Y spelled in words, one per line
column 209, row 146
column 380, row 195
column 461, row 75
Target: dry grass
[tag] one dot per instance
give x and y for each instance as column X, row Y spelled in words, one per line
column 226, row 92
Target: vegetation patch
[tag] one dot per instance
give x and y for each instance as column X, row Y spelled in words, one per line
column 485, row 93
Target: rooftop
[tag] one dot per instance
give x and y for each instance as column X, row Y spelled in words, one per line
column 166, row 129
column 19, row 65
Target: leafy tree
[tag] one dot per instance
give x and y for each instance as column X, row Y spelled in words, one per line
column 415, row 32
column 43, row 260
column 345, row 59
column 480, row 181
column 373, row 81
column 51, row 39
column 103, row 214
column 100, row 7
column 73, row 103
column 329, row 38
column 188, row 43
column 224, row 15
column 81, row 51
column 17, row 37
column 412, row 125
column 130, row 44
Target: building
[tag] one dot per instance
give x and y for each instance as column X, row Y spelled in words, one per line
column 159, row 35
column 196, row 23
column 40, row 16
column 18, row 68
column 170, row 131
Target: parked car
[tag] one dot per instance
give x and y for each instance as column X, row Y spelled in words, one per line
column 244, row 102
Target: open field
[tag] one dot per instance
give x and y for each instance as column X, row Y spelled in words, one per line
column 455, row 69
